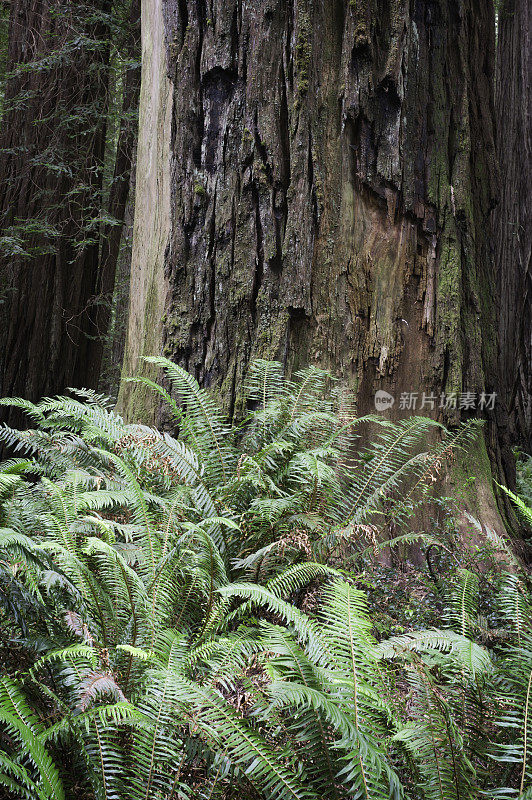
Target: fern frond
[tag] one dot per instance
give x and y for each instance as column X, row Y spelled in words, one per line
column 523, row 511
column 202, row 420
column 49, row 784
column 462, row 603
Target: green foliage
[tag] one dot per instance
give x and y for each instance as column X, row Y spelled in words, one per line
column 524, row 477
column 523, row 510
column 158, row 592
column 84, row 57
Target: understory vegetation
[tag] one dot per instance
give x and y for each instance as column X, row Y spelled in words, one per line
column 222, row 612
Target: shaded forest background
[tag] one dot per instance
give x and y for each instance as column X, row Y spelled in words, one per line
column 70, row 104
column 347, row 186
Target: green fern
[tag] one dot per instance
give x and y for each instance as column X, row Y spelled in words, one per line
column 166, row 571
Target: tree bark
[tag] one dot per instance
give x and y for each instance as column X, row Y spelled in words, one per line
column 316, row 187
column 113, row 352
column 52, row 144
column 513, row 216
column 57, row 258
column 113, row 233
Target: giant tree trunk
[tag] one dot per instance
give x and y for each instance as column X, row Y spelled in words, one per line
column 314, row 184
column 513, row 217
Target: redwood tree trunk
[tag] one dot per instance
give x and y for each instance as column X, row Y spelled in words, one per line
column 112, row 238
column 52, row 144
column 314, row 184
column 513, row 217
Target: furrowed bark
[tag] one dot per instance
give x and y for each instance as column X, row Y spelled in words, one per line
column 513, row 216
column 322, row 194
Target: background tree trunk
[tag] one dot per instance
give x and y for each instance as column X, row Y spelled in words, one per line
column 113, row 352
column 316, row 186
column 513, row 217
column 113, row 234
column 57, row 256
column 50, row 175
